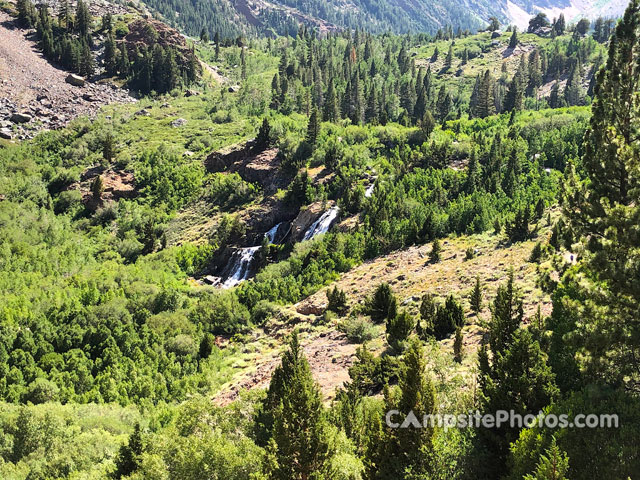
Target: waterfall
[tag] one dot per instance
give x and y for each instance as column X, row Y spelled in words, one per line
column 369, row 191
column 322, row 224
column 271, row 235
column 240, row 266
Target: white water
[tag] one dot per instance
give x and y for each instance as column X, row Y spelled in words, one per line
column 323, row 223
column 271, row 234
column 369, row 191
column 241, row 267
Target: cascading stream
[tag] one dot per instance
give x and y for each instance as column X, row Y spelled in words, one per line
column 323, row 223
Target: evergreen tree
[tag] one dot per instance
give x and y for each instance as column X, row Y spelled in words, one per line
column 553, row 465
column 476, row 297
column 87, row 63
column 293, row 419
column 458, row 346
column 204, row 35
column 313, row 128
column 216, row 40
column 83, row 19
column 128, row 459
column 428, row 311
column 513, row 41
column 449, row 59
column 27, row 15
column 436, row 251
column 263, row 139
column 110, row 57
column 560, row 25
column 399, row 327
column 108, row 146
column 506, row 316
column 337, row 301
column 123, row 64
column 404, row 450
column 603, row 210
column 382, row 304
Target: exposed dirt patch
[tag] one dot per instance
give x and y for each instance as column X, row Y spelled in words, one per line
column 329, row 354
column 117, row 184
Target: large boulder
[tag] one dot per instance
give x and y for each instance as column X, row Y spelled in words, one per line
column 75, row 80
column 20, row 118
column 5, row 133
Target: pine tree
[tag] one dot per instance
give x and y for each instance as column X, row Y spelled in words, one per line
column 331, row 109
column 519, row 379
column 603, row 210
column 108, row 146
column 64, row 15
column 216, row 40
column 553, row 465
column 448, row 62
column 476, row 297
column 107, row 23
column 128, row 459
column 573, row 92
column 263, row 139
column 204, row 35
column 428, row 312
column 399, row 327
column 243, row 64
column 436, row 251
column 409, row 449
column 381, row 305
column 313, row 128
column 337, row 301
column 458, row 346
column 485, row 103
column 123, row 64
column 83, row 19
column 293, row 421
column 87, row 64
column 110, row 56
column 515, row 93
column 513, row 41
column 27, row 15
column 506, row 316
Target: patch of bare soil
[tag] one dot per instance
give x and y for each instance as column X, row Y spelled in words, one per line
column 329, row 354
column 33, row 87
column 117, row 184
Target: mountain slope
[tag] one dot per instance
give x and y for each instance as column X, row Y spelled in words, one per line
column 232, row 17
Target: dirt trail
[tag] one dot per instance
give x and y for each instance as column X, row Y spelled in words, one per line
column 221, row 79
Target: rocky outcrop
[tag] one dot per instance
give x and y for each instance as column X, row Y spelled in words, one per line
column 20, row 117
column 306, row 217
column 75, row 80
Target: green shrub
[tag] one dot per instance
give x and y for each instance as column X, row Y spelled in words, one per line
column 358, row 329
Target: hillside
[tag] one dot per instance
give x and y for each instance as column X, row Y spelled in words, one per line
column 284, row 238
column 231, row 18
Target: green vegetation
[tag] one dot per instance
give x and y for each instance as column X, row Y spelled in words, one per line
column 112, row 346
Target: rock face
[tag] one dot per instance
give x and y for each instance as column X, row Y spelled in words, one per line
column 75, row 80
column 306, row 218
